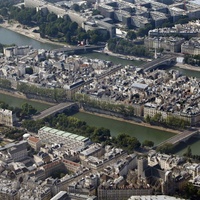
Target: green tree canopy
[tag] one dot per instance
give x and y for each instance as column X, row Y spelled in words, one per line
column 165, row 148
column 27, row 110
column 101, row 134
column 128, row 142
column 75, row 7
column 131, row 35
column 148, row 143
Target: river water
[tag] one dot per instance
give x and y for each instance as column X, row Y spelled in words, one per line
column 18, row 102
column 9, row 37
column 115, row 126
column 140, row 132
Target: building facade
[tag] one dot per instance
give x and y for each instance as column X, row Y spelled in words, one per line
column 7, row 117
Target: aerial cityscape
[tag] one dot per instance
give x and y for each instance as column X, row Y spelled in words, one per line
column 99, row 99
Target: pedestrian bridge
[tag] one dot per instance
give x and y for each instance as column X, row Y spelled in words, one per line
column 182, row 137
column 59, row 108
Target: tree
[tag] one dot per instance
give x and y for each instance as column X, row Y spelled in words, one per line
column 73, row 26
column 165, row 148
column 128, row 142
column 101, row 135
column 188, row 152
column 144, row 31
column 82, row 36
column 51, row 30
column 51, row 17
column 147, row 119
column 94, row 38
column 3, row 105
column 133, row 143
column 131, row 35
column 130, row 111
column 190, row 191
column 33, row 126
column 75, row 7
column 157, row 117
column 127, row 47
column 4, row 12
column 148, row 143
column 27, row 110
column 68, row 37
column 4, row 83
column 14, row 134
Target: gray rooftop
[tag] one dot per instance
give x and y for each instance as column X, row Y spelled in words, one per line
column 140, row 86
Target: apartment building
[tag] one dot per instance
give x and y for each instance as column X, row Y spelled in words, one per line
column 7, row 117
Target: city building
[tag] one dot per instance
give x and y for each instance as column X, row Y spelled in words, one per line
column 153, row 197
column 68, row 140
column 63, row 195
column 95, row 149
column 7, row 117
column 39, row 192
column 8, row 189
column 139, row 21
column 34, row 142
column 14, row 151
column 158, row 18
column 16, row 51
column 191, row 47
column 172, row 44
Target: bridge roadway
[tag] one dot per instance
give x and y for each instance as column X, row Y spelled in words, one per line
column 53, row 110
column 155, row 63
column 179, row 137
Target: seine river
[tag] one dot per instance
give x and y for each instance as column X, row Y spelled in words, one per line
column 18, row 102
column 115, row 126
column 9, row 37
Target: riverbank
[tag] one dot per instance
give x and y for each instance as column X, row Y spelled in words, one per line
column 188, row 67
column 132, row 122
column 28, row 32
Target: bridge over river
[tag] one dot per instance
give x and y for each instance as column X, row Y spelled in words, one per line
column 182, row 137
column 59, row 108
column 165, row 60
